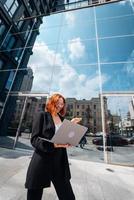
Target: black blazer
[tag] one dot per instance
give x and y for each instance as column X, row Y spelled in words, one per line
column 46, row 161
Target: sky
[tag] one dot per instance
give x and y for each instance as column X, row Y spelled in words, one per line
column 119, row 105
column 80, row 57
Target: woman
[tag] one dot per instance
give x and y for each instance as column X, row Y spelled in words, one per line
column 49, row 162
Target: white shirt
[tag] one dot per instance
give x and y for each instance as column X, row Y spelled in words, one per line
column 57, row 126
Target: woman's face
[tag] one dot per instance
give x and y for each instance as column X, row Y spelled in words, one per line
column 59, row 105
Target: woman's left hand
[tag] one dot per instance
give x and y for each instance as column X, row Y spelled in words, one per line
column 62, row 145
column 76, row 120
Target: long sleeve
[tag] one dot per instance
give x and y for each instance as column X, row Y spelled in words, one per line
column 38, row 124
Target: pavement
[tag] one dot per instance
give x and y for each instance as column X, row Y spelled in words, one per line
column 90, row 180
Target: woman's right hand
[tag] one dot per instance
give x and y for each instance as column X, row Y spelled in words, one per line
column 62, row 145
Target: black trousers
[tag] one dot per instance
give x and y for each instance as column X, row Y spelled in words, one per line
column 63, row 189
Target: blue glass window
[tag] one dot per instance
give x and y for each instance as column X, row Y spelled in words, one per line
column 8, row 4
column 18, row 54
column 27, row 32
column 11, row 6
column 2, row 27
column 19, row 23
column 1, row 64
column 10, row 79
column 9, row 42
column 14, row 7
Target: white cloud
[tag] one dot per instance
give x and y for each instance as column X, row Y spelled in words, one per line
column 123, row 3
column 70, row 18
column 61, row 78
column 119, row 105
column 129, row 67
column 76, row 48
column 42, row 63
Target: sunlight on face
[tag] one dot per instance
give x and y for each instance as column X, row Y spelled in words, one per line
column 59, row 104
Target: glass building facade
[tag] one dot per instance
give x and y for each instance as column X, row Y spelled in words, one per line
column 18, row 32
column 88, row 56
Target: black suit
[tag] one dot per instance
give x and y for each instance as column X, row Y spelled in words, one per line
column 47, row 163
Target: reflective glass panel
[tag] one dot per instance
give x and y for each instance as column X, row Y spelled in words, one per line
column 25, row 111
column 114, row 10
column 9, row 125
column 122, row 25
column 119, row 77
column 120, row 129
column 80, row 82
column 116, row 49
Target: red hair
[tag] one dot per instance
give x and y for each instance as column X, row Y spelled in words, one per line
column 51, row 104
